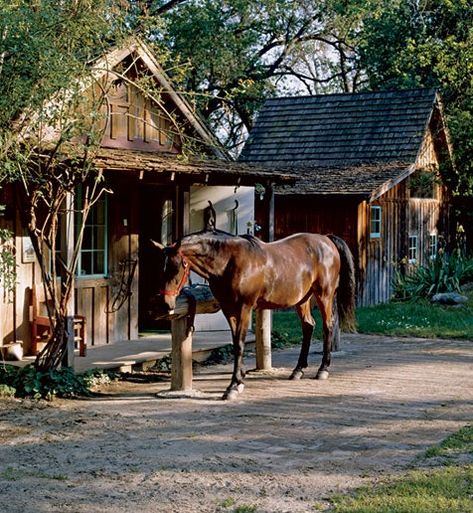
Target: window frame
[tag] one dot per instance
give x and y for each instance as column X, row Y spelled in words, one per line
column 433, row 248
column 93, row 250
column 378, row 220
column 412, row 250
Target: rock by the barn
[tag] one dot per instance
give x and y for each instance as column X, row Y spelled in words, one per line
column 449, row 298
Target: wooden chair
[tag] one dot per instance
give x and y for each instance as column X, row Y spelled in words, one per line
column 41, row 326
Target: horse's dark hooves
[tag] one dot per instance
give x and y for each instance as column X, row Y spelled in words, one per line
column 296, row 374
column 322, row 374
column 233, row 393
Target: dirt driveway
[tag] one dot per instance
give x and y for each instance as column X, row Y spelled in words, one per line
column 283, row 447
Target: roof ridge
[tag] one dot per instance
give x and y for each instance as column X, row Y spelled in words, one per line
column 431, row 90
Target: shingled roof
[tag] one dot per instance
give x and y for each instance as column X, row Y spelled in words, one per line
column 366, row 180
column 340, row 129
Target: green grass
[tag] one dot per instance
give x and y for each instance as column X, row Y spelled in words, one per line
column 444, row 489
column 417, row 319
column 459, row 443
column 15, row 474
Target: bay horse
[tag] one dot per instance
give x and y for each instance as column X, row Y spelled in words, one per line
column 245, row 273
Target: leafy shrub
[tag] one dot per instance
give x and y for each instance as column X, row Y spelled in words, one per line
column 7, row 391
column 445, row 273
column 29, row 382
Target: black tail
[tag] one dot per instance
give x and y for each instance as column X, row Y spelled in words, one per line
column 347, row 286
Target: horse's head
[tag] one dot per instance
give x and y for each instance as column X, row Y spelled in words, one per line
column 173, row 275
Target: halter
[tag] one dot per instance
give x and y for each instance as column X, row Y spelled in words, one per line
column 175, row 292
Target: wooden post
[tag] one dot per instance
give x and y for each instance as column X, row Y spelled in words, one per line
column 181, row 355
column 68, row 255
column 264, row 317
column 263, row 339
column 202, row 301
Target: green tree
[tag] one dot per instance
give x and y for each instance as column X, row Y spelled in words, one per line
column 233, row 54
column 424, row 43
column 49, row 130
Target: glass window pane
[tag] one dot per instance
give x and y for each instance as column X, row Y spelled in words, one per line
column 99, row 262
column 99, row 211
column 85, row 263
column 375, row 224
column 94, row 244
column 87, row 239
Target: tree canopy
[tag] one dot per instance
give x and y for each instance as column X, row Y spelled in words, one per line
column 427, row 43
column 46, row 51
column 235, row 53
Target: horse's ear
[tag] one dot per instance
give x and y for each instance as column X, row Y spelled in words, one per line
column 157, row 244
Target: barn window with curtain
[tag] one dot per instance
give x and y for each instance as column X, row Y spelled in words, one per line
column 375, row 230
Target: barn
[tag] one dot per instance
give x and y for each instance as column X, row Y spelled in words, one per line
column 157, row 192
column 369, row 168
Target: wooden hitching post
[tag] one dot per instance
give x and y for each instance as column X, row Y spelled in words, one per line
column 181, row 355
column 264, row 317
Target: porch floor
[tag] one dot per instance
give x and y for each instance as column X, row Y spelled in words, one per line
column 143, row 352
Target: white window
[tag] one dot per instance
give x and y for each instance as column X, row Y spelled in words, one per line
column 433, row 245
column 94, row 250
column 375, row 229
column 412, row 250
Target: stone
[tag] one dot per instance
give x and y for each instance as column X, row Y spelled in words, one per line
column 449, row 298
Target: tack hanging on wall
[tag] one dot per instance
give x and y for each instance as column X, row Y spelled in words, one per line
column 210, row 217
column 233, row 218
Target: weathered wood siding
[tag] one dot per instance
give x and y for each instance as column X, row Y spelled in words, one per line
column 377, row 259
column 132, row 121
column 380, row 257
column 316, row 214
column 402, row 216
column 96, row 299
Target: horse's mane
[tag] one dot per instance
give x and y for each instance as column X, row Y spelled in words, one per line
column 216, row 238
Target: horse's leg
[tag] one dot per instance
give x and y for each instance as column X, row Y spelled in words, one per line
column 326, row 306
column 307, row 323
column 239, row 327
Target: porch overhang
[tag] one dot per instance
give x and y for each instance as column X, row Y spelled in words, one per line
column 160, row 168
column 365, row 181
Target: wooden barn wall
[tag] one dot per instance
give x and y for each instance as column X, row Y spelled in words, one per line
column 402, row 216
column 380, row 257
column 315, row 214
column 98, row 299
column 94, row 297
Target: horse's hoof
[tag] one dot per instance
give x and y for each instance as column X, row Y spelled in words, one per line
column 240, row 388
column 230, row 395
column 322, row 374
column 296, row 374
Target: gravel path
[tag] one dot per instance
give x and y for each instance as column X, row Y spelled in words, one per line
column 283, row 446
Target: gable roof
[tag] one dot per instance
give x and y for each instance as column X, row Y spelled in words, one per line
column 139, row 49
column 341, row 129
column 108, row 66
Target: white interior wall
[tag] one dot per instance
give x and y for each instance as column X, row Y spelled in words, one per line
column 223, row 201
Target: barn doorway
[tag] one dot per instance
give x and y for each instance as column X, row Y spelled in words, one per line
column 157, row 222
